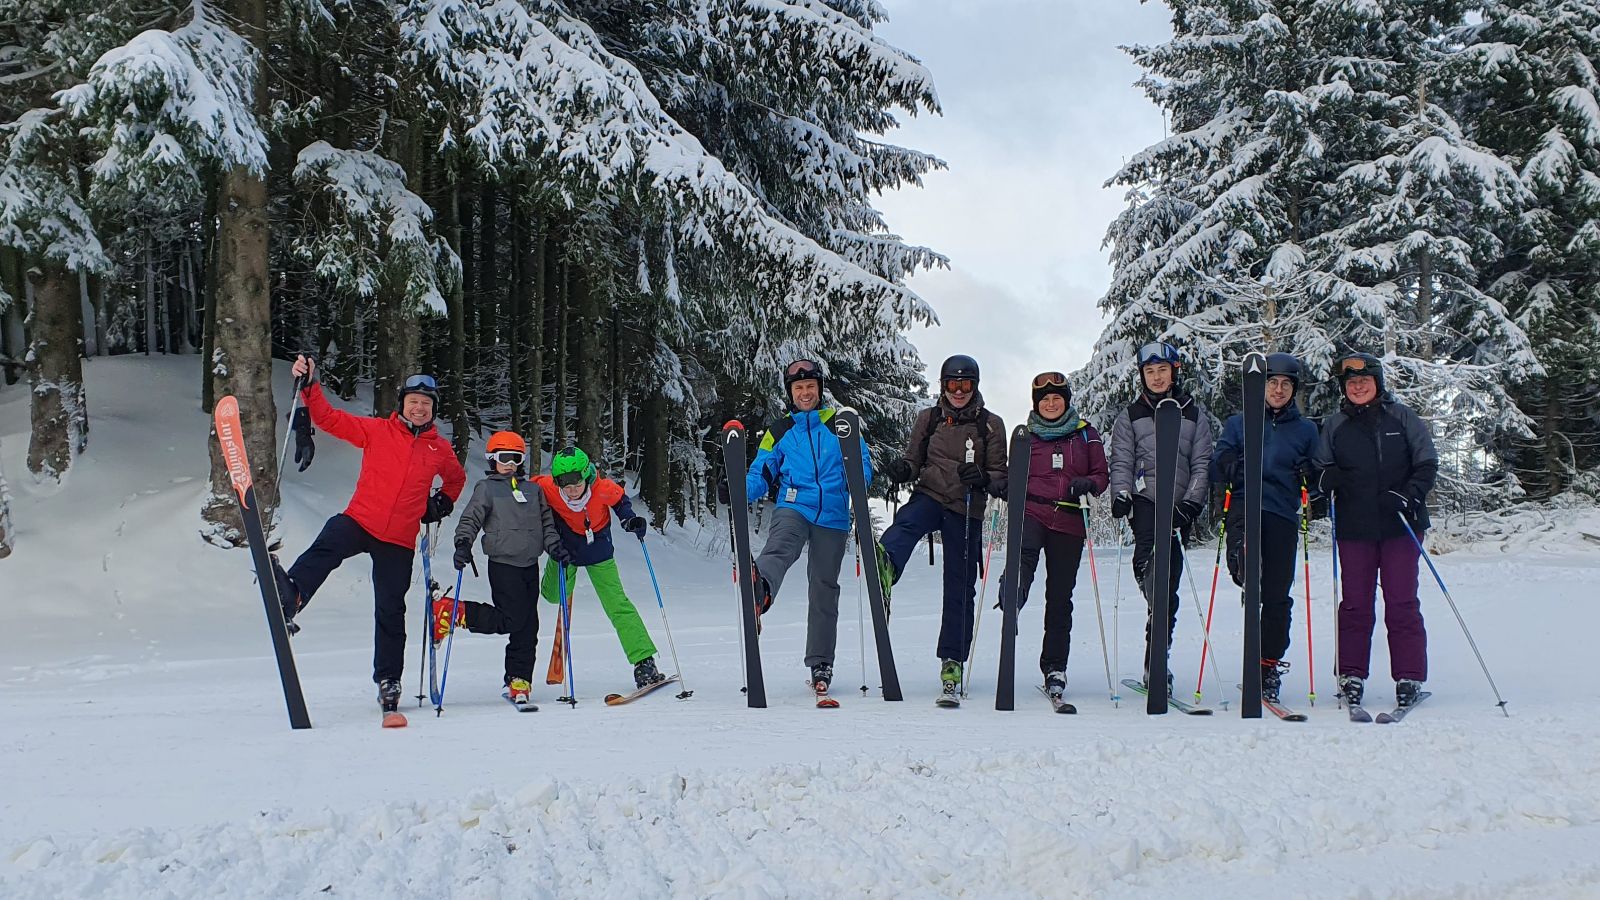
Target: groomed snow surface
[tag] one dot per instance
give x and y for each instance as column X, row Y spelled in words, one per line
column 147, row 753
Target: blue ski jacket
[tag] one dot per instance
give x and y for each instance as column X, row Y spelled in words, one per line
column 799, row 461
column 1288, row 439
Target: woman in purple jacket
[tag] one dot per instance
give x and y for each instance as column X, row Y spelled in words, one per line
column 1067, row 462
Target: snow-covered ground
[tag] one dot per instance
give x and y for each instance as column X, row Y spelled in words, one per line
column 147, row 753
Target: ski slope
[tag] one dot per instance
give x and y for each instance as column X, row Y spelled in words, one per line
column 147, row 751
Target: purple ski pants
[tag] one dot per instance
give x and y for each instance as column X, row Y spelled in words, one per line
column 1362, row 564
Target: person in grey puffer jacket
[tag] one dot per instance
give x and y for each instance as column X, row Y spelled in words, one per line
column 517, row 526
column 1133, row 471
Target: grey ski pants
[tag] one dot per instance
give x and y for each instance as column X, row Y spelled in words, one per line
column 788, row 535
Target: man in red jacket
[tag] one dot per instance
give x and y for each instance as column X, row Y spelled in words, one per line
column 400, row 458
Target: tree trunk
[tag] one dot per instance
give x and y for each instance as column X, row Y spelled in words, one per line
column 618, row 425
column 532, row 326
column 654, row 466
column 55, row 368
column 397, row 348
column 149, row 302
column 242, row 360
column 1424, row 310
column 6, row 530
column 98, row 290
column 558, row 406
column 516, row 308
column 184, row 344
column 592, row 364
column 488, row 297
column 13, row 335
column 208, row 329
column 91, row 343
column 467, row 249
column 456, row 366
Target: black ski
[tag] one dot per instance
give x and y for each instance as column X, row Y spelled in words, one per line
column 1060, row 706
column 230, row 436
column 1400, row 712
column 1134, row 685
column 1255, row 415
column 1158, row 582
column 846, row 425
column 1016, row 509
column 734, row 464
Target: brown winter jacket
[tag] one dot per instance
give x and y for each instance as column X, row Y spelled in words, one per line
column 946, row 449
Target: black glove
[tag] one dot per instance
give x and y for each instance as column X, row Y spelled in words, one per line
column 635, row 526
column 1121, row 505
column 304, row 449
column 463, row 556
column 1307, row 473
column 1080, row 487
column 972, row 475
column 1228, row 467
column 722, row 492
column 1394, row 502
column 1184, row 514
column 997, row 487
column 899, row 470
column 439, row 506
column 1332, row 479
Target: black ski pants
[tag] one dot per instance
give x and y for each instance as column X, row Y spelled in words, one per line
column 515, row 592
column 1062, row 553
column 1280, row 539
column 342, row 538
column 1144, row 542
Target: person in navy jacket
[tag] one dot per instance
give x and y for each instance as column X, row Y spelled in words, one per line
column 1289, row 442
column 799, row 463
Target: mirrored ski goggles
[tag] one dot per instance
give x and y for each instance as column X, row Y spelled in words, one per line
column 802, row 367
column 421, row 381
column 509, row 457
column 959, row 385
column 1356, row 368
column 1158, row 351
column 1049, row 379
column 568, row 479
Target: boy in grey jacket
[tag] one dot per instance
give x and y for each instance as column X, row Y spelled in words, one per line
column 1133, row 473
column 517, row 527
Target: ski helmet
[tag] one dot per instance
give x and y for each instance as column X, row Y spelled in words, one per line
column 571, row 466
column 1158, row 352
column 1285, row 364
column 801, row 370
column 420, row 384
column 1351, row 365
column 507, row 447
column 957, row 368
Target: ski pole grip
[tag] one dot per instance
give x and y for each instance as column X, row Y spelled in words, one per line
column 474, row 568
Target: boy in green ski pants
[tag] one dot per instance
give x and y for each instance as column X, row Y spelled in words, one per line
column 582, row 502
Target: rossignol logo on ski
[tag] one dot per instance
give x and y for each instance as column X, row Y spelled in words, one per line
column 842, row 428
column 233, row 454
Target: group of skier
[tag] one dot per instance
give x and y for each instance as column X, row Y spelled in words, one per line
column 1373, row 459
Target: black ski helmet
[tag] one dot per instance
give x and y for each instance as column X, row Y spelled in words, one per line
column 420, row 384
column 801, row 370
column 1285, row 364
column 958, row 366
column 1358, row 363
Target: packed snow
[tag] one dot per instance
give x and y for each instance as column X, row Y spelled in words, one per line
column 148, row 752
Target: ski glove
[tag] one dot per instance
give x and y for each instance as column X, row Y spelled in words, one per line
column 1185, row 513
column 997, row 487
column 439, row 506
column 1121, row 505
column 898, row 470
column 1228, row 467
column 1080, row 487
column 1394, row 502
column 1307, row 473
column 304, row 448
column 722, row 492
column 972, row 475
column 1331, row 479
column 464, row 556
column 635, row 526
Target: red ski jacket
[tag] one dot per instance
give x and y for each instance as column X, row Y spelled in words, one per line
column 397, row 468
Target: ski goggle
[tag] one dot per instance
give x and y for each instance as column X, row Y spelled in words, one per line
column 424, row 382
column 509, row 457
column 1356, row 367
column 568, row 479
column 802, row 367
column 1158, row 351
column 1049, row 379
column 959, row 385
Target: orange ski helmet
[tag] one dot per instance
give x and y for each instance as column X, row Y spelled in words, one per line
column 506, row 442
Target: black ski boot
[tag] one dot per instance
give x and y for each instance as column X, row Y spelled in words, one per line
column 645, row 673
column 288, row 594
column 821, row 677
column 1272, row 678
column 1405, row 692
column 1351, row 688
column 1055, row 684
column 389, row 695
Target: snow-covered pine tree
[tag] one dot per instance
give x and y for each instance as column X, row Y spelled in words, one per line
column 1529, row 86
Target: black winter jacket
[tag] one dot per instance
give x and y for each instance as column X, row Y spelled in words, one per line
column 1366, row 451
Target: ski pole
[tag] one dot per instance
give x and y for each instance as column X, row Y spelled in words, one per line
column 283, row 452
column 1216, row 568
column 1094, row 579
column 861, row 620
column 660, row 604
column 1338, row 598
column 733, row 563
column 983, row 589
column 1116, row 604
column 1205, row 633
column 427, row 620
column 566, row 626
column 1455, row 609
column 1305, row 555
column 444, row 673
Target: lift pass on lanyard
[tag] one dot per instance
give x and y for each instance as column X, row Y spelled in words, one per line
column 1138, row 481
column 1056, row 460
column 790, row 495
column 516, row 494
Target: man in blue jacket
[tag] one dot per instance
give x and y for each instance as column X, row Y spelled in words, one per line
column 1289, row 442
column 800, row 464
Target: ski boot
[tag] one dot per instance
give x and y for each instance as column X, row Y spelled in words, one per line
column 442, row 621
column 1351, row 688
column 1055, row 684
column 885, row 576
column 645, row 673
column 1405, row 692
column 821, row 677
column 389, row 702
column 950, row 679
column 288, row 595
column 1272, row 678
column 518, row 690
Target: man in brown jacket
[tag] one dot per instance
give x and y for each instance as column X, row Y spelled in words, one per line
column 957, row 454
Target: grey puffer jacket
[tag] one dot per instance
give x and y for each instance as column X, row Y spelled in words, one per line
column 1133, row 451
column 514, row 532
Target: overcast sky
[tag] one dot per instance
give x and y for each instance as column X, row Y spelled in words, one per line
column 1039, row 111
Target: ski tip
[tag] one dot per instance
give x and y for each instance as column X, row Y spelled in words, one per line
column 394, row 720
column 731, row 424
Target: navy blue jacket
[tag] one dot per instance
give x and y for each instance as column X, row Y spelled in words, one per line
column 1288, row 440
